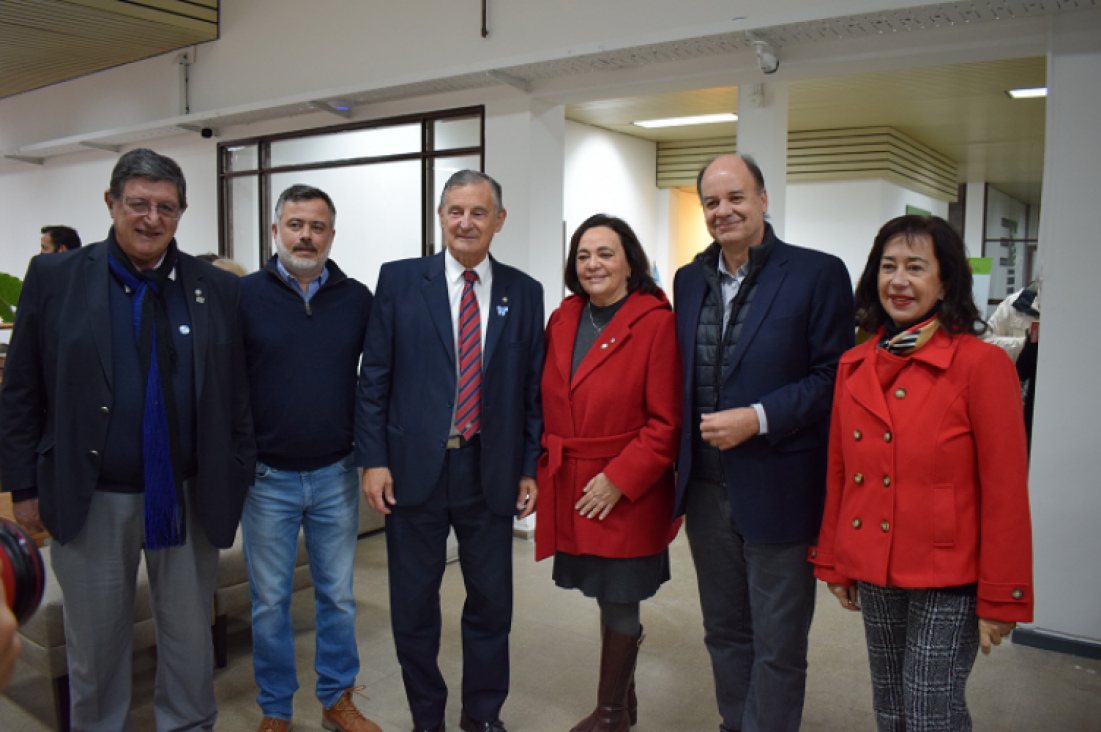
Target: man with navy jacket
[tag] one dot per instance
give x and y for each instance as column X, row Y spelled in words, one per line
column 761, row 325
column 448, row 430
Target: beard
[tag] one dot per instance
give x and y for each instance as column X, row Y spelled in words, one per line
column 300, row 267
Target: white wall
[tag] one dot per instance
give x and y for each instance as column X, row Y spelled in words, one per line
column 843, row 217
column 611, row 173
column 1064, row 484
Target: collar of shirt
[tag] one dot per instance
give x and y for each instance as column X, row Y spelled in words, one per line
column 315, row 283
column 454, row 270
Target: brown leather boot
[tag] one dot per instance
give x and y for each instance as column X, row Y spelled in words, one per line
column 617, row 666
column 344, row 716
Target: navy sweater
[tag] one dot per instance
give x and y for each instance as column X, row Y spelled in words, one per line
column 303, row 364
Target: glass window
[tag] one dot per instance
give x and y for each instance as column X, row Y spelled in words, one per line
column 244, row 221
column 452, row 134
column 242, row 157
column 370, row 143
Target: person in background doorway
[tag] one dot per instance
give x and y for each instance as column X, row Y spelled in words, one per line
column 57, row 239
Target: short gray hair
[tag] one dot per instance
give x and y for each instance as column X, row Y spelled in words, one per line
column 300, row 192
column 472, row 177
column 144, row 163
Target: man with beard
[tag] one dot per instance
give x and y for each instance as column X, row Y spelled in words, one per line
column 304, row 327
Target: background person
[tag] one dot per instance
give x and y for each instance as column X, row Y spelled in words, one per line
column 926, row 527
column 57, row 239
column 611, row 412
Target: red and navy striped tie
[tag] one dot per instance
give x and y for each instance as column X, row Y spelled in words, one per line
column 468, row 415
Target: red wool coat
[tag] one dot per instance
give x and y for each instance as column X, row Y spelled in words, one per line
column 928, row 474
column 620, row 414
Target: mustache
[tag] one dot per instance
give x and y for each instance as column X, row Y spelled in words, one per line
column 304, row 248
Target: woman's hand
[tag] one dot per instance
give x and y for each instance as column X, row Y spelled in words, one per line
column 600, row 497
column 991, row 632
column 847, row 596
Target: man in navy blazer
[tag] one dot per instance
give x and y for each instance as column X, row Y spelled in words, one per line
column 760, row 325
column 448, row 426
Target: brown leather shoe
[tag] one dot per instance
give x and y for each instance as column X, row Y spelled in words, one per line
column 345, row 717
column 271, row 724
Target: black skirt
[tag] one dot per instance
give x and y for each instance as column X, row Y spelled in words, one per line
column 612, row 580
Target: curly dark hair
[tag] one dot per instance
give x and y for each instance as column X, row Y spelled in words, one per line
column 640, row 278
column 957, row 312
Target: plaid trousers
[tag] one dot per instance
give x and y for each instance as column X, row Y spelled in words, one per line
column 922, row 644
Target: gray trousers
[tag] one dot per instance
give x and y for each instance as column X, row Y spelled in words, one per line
column 97, row 572
column 757, row 602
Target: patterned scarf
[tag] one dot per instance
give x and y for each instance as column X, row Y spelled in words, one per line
column 905, row 342
column 164, row 507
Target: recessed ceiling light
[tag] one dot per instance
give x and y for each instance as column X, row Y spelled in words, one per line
column 702, row 119
column 1040, row 91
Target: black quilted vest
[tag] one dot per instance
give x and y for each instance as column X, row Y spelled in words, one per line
column 715, row 349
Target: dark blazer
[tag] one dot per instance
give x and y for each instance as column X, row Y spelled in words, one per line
column 407, row 381
column 56, row 398
column 800, row 322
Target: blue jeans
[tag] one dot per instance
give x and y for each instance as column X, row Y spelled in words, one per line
column 325, row 504
column 757, row 602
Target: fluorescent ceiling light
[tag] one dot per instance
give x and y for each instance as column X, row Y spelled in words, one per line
column 702, row 119
column 1027, row 93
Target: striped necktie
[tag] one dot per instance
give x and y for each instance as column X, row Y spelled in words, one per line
column 468, row 415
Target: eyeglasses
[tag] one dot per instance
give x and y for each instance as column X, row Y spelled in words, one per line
column 141, row 207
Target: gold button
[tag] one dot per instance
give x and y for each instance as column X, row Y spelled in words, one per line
column 603, row 345
column 105, row 410
column 859, row 478
column 93, row 453
column 857, row 435
column 887, row 481
column 900, row 393
column 886, row 526
column 1017, row 593
column 813, row 553
column 856, row 523
column 886, row 436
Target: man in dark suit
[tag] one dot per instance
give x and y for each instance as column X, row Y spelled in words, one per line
column 448, row 429
column 760, row 325
column 125, row 425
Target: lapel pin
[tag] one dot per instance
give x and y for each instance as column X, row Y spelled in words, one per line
column 199, row 297
column 502, row 310
column 184, row 330
column 504, row 299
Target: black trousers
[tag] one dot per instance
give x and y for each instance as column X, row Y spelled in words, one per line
column 416, row 542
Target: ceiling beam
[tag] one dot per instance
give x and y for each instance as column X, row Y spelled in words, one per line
column 27, row 159
column 327, row 107
column 514, row 81
column 100, row 146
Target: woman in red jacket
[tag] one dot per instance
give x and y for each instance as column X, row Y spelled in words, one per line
column 611, row 413
column 926, row 528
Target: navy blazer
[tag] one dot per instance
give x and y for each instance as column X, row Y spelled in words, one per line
column 800, row 322
column 56, row 397
column 407, row 381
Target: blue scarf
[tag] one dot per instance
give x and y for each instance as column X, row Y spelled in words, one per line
column 164, row 514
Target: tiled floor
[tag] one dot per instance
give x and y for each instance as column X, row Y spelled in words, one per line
column 555, row 653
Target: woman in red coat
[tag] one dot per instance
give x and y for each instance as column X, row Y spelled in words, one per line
column 611, row 413
column 926, row 528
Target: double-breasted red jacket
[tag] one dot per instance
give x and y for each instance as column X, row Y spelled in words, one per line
column 928, row 474
column 620, row 414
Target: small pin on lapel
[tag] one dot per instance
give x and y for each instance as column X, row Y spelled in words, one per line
column 184, row 330
column 199, row 297
column 504, row 299
column 502, row 310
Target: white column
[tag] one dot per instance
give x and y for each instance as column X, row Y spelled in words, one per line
column 973, row 212
column 1066, row 500
column 763, row 134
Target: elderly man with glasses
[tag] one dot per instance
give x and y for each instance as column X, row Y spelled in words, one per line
column 125, row 428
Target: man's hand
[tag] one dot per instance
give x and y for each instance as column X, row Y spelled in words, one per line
column 378, row 488
column 729, row 428
column 26, row 515
column 525, row 500
column 849, row 597
column 991, row 632
column 600, row 497
column 10, row 644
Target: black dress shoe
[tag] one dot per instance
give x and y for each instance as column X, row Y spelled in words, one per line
column 441, row 728
column 466, row 724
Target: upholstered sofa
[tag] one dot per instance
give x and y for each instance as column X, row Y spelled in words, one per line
column 44, row 634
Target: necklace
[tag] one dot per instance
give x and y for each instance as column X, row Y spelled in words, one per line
column 602, row 326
